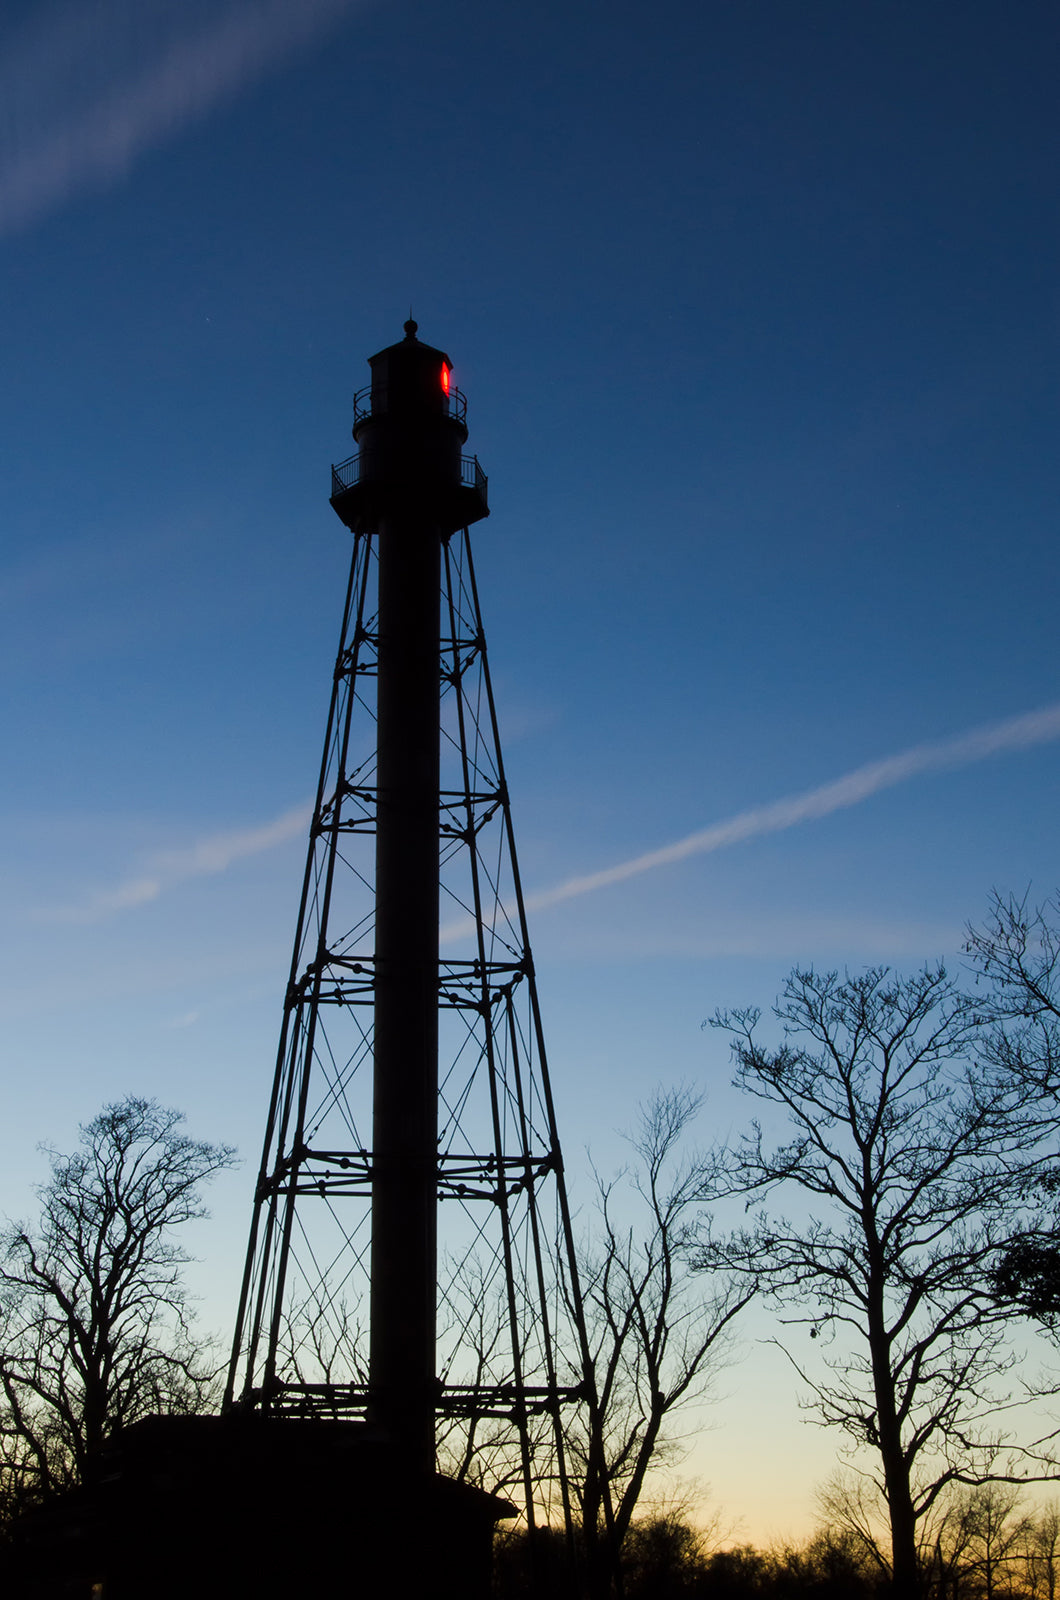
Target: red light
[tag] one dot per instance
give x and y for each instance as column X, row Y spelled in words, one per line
column 445, row 378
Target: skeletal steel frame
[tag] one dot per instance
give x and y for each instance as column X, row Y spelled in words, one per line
column 513, row 1371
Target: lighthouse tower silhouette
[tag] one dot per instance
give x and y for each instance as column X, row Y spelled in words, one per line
column 411, row 1266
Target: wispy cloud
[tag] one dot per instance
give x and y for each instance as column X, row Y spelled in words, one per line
column 1017, row 733
column 187, row 1019
column 88, row 89
column 167, row 868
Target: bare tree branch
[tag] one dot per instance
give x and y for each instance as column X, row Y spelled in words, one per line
column 94, row 1316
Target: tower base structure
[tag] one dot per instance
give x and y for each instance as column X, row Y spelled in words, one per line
column 249, row 1505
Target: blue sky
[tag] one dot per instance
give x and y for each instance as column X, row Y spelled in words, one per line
column 757, row 310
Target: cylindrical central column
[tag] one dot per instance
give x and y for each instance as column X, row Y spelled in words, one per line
column 405, row 1128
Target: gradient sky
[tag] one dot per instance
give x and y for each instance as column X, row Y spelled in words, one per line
column 757, row 309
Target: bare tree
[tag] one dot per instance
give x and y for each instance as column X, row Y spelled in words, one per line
column 1043, row 1554
column 656, row 1331
column 96, row 1321
column 981, row 1546
column 323, row 1341
column 849, row 1505
column 484, row 1448
column 976, row 1541
column 1016, row 959
column 903, row 1159
column 997, row 1531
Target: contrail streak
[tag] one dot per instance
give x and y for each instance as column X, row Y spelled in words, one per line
column 88, row 90
column 216, row 853
column 166, row 868
column 1017, row 733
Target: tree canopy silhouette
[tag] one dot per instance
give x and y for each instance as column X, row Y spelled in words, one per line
column 1016, row 958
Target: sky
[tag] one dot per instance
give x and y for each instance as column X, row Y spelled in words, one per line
column 757, row 309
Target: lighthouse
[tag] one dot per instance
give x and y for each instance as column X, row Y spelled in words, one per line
column 411, row 1265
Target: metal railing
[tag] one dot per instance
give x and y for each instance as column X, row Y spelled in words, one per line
column 472, row 475
column 345, row 474
column 372, row 402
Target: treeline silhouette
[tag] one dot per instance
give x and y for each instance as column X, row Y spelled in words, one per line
column 985, row 1547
